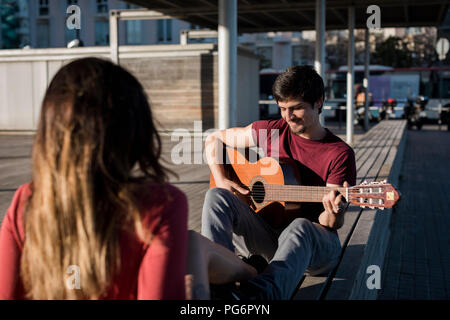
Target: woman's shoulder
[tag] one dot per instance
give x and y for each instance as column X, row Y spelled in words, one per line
column 160, row 193
column 14, row 219
column 20, row 199
column 156, row 198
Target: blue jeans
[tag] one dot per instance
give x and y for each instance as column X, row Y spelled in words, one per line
column 303, row 246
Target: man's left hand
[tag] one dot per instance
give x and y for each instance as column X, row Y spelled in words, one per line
column 335, row 203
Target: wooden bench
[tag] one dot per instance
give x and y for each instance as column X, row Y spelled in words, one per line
column 365, row 234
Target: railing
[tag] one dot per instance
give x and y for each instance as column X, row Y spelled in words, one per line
column 185, row 35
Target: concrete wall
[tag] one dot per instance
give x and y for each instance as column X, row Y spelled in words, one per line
column 247, row 85
column 181, row 82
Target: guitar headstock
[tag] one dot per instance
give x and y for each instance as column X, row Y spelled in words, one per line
column 374, row 195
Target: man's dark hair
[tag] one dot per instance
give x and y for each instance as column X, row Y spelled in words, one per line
column 299, row 82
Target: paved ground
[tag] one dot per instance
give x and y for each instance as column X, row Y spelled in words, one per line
column 15, row 165
column 418, row 260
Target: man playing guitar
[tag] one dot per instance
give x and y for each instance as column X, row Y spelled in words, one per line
column 306, row 240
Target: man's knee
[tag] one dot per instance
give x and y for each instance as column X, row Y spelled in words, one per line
column 218, row 198
column 300, row 224
column 217, row 204
column 299, row 227
column 215, row 195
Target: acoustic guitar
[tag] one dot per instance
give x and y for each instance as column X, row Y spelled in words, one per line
column 276, row 190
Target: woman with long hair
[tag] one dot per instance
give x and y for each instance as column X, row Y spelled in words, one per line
column 99, row 219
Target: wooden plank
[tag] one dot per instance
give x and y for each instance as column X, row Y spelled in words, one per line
column 15, row 167
column 371, row 167
column 355, row 250
column 371, row 164
column 193, row 180
column 370, row 229
column 368, row 151
column 369, row 161
column 367, row 140
column 380, row 232
column 196, row 195
column 5, row 201
column 311, row 287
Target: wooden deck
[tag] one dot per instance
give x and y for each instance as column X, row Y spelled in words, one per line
column 194, row 178
column 365, row 234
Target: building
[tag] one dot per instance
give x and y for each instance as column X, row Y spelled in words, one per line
column 279, row 50
column 43, row 24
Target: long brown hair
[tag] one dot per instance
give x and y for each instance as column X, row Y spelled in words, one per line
column 95, row 144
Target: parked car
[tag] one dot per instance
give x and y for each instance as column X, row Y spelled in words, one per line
column 445, row 116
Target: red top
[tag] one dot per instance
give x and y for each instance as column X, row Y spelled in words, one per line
column 329, row 160
column 147, row 272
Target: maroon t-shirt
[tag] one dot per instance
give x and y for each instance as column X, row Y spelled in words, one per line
column 329, row 160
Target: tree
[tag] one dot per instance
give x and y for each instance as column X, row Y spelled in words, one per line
column 10, row 24
column 393, row 52
column 425, row 49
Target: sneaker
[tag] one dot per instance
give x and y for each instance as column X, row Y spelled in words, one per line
column 247, row 291
column 223, row 291
column 256, row 261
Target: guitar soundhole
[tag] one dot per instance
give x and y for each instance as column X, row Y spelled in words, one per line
column 258, row 192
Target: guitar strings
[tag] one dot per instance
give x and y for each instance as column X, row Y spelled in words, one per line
column 308, row 188
column 262, row 190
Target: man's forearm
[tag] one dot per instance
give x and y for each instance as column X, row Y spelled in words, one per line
column 215, row 166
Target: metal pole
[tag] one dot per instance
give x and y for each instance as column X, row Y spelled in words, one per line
column 440, row 94
column 319, row 62
column 350, row 73
column 227, row 35
column 366, row 81
column 114, row 35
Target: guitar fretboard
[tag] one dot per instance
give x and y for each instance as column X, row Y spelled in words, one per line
column 287, row 193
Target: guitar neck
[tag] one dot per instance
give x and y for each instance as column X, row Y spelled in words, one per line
column 292, row 193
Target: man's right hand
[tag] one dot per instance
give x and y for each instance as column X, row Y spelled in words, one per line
column 235, row 138
column 231, row 186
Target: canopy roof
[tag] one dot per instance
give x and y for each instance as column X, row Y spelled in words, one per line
column 294, row 15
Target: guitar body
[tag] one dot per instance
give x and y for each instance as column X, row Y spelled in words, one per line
column 254, row 175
